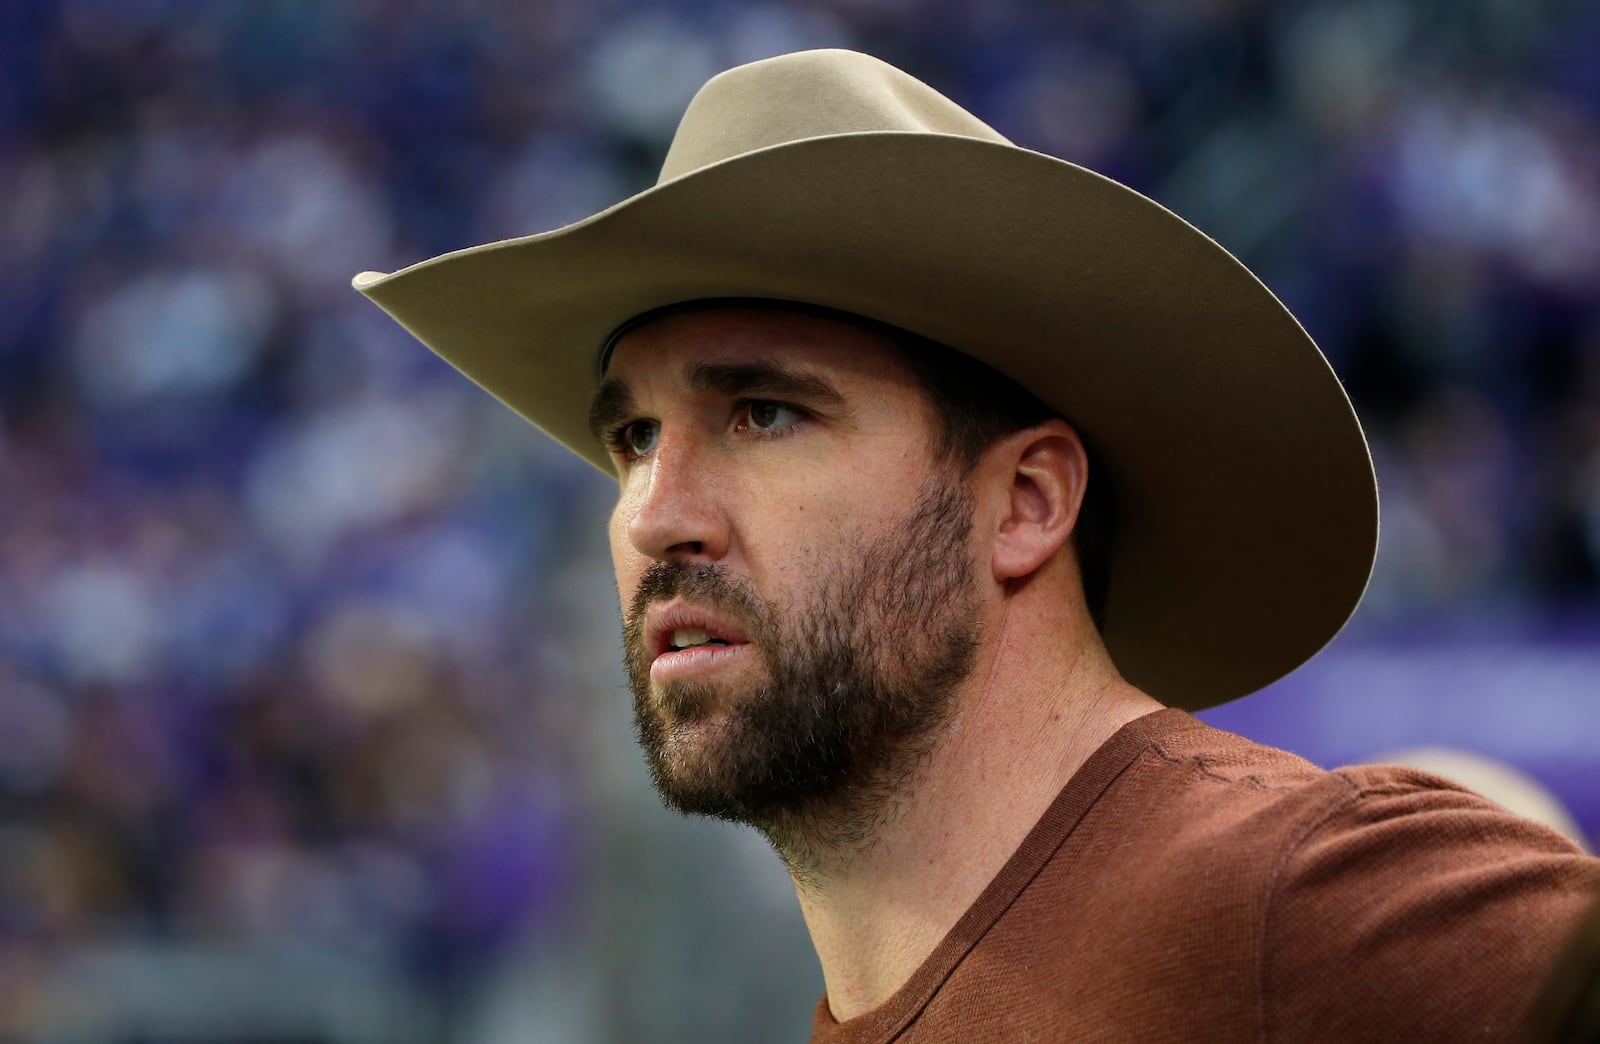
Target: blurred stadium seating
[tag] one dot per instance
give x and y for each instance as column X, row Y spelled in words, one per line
column 310, row 725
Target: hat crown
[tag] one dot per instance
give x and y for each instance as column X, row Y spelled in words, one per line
column 810, row 94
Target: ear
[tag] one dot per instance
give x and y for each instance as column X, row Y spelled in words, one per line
column 1043, row 472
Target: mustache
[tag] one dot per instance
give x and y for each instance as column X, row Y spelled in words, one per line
column 710, row 585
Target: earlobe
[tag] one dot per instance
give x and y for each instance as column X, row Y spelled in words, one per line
column 1048, row 470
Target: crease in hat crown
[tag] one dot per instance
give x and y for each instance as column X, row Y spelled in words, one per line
column 812, row 94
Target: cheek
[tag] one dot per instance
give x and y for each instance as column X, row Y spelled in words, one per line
column 787, row 536
column 627, row 564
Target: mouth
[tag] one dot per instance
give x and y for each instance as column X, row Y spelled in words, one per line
column 685, row 639
column 692, row 637
column 678, row 626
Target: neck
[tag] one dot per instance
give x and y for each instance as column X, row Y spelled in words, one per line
column 1023, row 725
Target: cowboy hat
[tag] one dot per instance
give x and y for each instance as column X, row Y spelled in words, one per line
column 1246, row 510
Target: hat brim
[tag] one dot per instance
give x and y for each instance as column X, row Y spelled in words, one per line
column 1246, row 508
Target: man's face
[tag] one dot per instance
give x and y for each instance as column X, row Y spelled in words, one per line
column 795, row 570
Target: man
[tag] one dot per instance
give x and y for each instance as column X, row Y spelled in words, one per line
column 950, row 476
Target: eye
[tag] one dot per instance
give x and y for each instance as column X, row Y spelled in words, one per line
column 636, row 438
column 763, row 415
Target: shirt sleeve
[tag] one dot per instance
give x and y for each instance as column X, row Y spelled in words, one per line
column 1411, row 909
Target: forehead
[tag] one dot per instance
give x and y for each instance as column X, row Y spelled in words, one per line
column 847, row 353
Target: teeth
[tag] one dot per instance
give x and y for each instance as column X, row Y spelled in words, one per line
column 685, row 637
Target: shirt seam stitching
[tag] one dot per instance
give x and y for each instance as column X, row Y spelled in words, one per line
column 1278, row 883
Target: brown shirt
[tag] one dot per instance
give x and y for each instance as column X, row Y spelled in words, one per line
column 1188, row 884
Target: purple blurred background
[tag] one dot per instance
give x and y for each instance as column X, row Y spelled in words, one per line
column 311, row 728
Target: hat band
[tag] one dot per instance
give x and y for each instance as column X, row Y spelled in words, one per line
column 609, row 345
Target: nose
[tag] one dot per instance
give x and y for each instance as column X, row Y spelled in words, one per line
column 676, row 511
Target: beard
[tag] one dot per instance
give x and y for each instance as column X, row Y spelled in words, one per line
column 859, row 679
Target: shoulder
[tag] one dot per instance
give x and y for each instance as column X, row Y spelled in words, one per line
column 1371, row 902
column 1230, row 783
column 1221, row 808
column 1414, row 904
column 1218, row 784
column 1396, row 808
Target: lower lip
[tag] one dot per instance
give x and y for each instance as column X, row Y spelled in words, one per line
column 689, row 663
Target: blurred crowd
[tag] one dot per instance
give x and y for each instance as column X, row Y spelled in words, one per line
column 301, row 634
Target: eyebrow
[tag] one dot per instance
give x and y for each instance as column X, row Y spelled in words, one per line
column 765, row 379
column 611, row 404
column 614, row 401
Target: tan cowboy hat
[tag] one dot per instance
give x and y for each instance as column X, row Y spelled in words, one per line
column 1246, row 511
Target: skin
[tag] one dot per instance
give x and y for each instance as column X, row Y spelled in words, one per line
column 766, row 489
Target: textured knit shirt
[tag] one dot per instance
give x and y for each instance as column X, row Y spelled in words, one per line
column 1190, row 885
